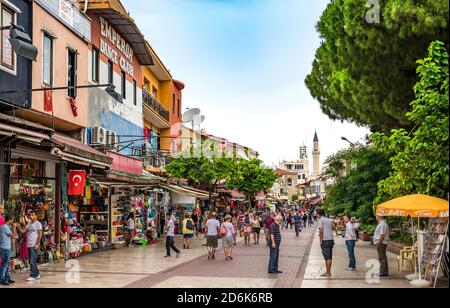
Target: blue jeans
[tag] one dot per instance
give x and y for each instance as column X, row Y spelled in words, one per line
column 4, row 271
column 33, row 255
column 351, row 253
column 274, row 255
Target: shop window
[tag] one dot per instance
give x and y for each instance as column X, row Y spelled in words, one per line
column 173, row 103
column 124, row 85
column 72, row 71
column 6, row 51
column 47, row 60
column 134, row 92
column 110, row 72
column 95, row 65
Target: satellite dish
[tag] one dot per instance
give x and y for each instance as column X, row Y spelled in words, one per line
column 188, row 116
column 198, row 119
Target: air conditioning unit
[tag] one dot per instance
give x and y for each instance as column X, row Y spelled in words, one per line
column 112, row 140
column 98, row 136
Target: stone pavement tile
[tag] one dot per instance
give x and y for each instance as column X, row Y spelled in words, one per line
column 249, row 266
column 366, row 255
column 112, row 268
column 215, row 282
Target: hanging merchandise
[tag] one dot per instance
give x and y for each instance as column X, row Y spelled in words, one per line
column 48, row 101
column 73, row 106
column 77, row 180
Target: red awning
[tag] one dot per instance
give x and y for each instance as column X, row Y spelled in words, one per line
column 78, row 148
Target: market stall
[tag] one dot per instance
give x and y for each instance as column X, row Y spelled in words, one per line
column 431, row 243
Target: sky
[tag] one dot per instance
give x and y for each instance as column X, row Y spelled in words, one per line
column 244, row 63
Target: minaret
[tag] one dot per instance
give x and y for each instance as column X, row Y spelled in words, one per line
column 316, row 156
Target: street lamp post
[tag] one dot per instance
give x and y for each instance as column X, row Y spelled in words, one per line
column 345, row 139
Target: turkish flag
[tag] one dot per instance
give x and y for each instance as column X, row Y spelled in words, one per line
column 77, row 181
column 48, row 101
column 73, row 105
column 147, row 134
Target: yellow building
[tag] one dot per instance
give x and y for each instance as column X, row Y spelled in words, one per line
column 162, row 100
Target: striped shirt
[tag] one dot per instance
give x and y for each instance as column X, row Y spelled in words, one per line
column 275, row 230
column 241, row 217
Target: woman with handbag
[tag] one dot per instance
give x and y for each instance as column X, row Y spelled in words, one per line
column 227, row 233
column 188, row 231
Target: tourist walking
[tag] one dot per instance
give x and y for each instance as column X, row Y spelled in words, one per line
column 305, row 219
column 212, row 235
column 298, row 223
column 241, row 222
column 326, row 227
column 6, row 235
column 162, row 222
column 170, row 230
column 350, row 242
column 357, row 226
column 235, row 226
column 188, row 231
column 256, row 228
column 34, row 237
column 130, row 228
column 228, row 239
column 247, row 234
column 380, row 240
column 274, row 245
column 194, row 217
column 267, row 222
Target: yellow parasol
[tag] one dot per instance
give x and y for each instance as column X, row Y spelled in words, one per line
column 415, row 206
column 418, row 206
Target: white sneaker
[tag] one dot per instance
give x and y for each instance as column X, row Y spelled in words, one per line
column 30, row 279
column 38, row 277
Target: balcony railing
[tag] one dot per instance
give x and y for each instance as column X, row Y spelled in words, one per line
column 154, row 158
column 155, row 105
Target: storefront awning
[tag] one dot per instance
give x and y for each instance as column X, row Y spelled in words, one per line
column 126, row 27
column 189, row 191
column 133, row 179
column 73, row 150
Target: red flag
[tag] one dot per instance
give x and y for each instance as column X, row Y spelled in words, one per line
column 147, row 134
column 48, row 101
column 73, row 105
column 77, row 181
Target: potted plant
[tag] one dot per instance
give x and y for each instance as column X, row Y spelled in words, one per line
column 366, row 233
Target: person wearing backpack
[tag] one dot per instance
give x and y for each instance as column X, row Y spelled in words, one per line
column 188, row 231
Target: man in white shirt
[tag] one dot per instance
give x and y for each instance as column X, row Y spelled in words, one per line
column 380, row 239
column 326, row 227
column 350, row 242
column 170, row 230
column 212, row 235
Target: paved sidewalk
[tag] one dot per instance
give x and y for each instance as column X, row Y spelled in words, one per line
column 247, row 270
column 365, row 254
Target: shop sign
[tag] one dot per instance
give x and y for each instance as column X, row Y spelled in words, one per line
column 66, row 12
column 107, row 31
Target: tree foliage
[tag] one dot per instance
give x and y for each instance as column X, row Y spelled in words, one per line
column 250, row 177
column 365, row 72
column 356, row 173
column 420, row 157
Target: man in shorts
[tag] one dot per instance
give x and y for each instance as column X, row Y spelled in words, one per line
column 212, row 235
column 326, row 227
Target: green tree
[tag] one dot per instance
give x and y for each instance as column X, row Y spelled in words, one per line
column 200, row 170
column 420, row 157
column 356, row 173
column 364, row 72
column 250, row 177
column 294, row 198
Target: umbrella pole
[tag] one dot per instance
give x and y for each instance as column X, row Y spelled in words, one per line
column 418, row 249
